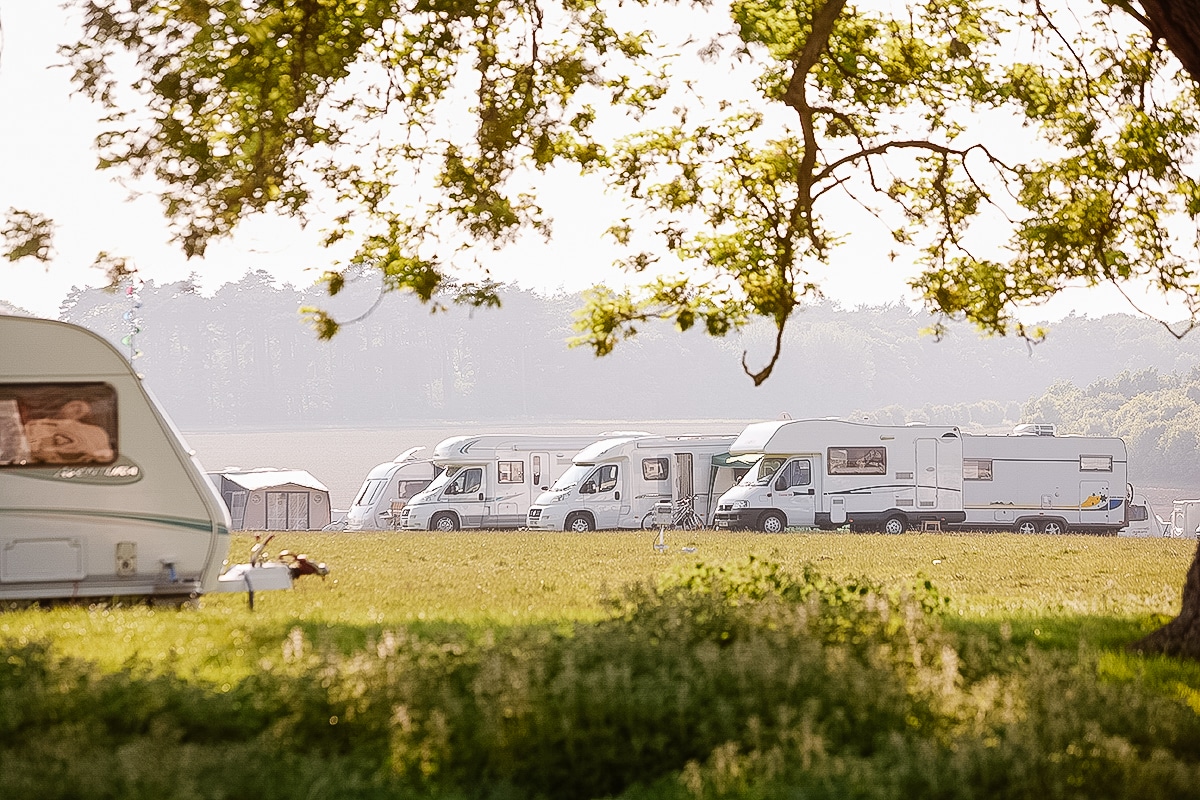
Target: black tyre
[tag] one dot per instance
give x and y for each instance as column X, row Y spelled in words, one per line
column 894, row 525
column 772, row 522
column 444, row 521
column 1027, row 526
column 1054, row 527
column 579, row 523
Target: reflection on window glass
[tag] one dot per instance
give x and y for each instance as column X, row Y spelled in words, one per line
column 467, row 481
column 1095, row 463
column 510, row 471
column 977, row 469
column 654, row 469
column 57, row 423
column 796, row 473
column 857, row 461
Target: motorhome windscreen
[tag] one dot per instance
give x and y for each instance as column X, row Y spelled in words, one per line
column 763, row 470
column 571, row 477
column 57, row 423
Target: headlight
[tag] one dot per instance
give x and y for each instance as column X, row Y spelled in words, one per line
column 739, row 504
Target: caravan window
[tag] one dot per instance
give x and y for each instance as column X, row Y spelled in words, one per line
column 1138, row 513
column 857, row 461
column 1095, row 463
column 510, row 471
column 370, row 491
column 977, row 469
column 655, row 469
column 57, row 423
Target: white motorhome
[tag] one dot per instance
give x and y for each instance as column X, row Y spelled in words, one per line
column 827, row 473
column 387, row 489
column 99, row 497
column 490, row 480
column 1034, row 482
column 616, row 483
column 1185, row 519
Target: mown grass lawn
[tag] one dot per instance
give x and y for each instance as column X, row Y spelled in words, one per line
column 486, row 663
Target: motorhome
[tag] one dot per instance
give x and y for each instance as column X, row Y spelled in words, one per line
column 490, row 480
column 616, row 483
column 388, row 488
column 827, row 473
column 99, row 496
column 1035, row 482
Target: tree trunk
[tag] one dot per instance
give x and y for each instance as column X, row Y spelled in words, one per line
column 1176, row 22
column 1180, row 636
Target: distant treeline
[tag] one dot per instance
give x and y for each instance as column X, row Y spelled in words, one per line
column 245, row 359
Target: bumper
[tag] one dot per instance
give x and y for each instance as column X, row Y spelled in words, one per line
column 741, row 519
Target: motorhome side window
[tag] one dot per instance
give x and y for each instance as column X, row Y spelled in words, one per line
column 510, row 471
column 1095, row 463
column 57, row 423
column 977, row 469
column 796, row 473
column 604, row 479
column 467, row 481
column 654, row 469
column 857, row 461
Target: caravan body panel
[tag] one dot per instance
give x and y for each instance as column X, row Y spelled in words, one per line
column 828, row 473
column 99, row 496
column 616, row 483
column 490, row 480
column 1044, row 483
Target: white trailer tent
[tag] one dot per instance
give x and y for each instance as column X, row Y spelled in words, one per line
column 490, row 480
column 269, row 499
column 827, row 473
column 616, row 483
column 1039, row 482
column 99, row 497
column 388, row 488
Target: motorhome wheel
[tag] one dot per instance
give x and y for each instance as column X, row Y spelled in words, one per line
column 580, row 523
column 443, row 521
column 1054, row 527
column 895, row 524
column 1026, row 526
column 772, row 522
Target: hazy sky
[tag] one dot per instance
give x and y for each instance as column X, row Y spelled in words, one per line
column 47, row 165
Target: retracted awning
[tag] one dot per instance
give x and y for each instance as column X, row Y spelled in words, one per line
column 726, row 460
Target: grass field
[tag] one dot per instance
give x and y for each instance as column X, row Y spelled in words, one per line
column 491, row 664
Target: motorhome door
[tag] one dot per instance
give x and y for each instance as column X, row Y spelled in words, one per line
column 795, row 492
column 602, row 492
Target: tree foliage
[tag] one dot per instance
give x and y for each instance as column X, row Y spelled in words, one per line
column 417, row 135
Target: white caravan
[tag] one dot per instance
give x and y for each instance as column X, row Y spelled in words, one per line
column 1143, row 521
column 1045, row 483
column 99, row 497
column 1185, row 519
column 490, row 480
column 616, row 483
column 387, row 489
column 827, row 473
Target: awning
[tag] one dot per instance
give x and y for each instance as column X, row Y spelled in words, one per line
column 726, row 460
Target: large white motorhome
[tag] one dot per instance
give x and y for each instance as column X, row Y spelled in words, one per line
column 616, row 483
column 99, row 497
column 388, row 488
column 490, row 480
column 828, row 473
column 1037, row 482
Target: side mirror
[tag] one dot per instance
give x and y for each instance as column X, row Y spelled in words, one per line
column 781, row 483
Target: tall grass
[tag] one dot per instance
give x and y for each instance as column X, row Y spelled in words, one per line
column 523, row 666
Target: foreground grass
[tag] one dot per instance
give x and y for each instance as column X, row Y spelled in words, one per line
column 523, row 665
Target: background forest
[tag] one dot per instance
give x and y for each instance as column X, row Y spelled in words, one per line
column 244, row 360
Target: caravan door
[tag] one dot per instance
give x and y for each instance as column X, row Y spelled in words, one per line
column 794, row 492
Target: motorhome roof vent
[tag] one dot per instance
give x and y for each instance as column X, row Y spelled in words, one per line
column 1035, row 429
